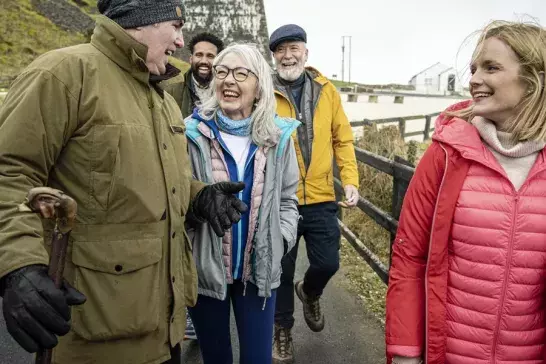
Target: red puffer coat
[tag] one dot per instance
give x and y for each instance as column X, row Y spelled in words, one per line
column 467, row 281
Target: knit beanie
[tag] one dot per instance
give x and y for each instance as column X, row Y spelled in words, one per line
column 137, row 13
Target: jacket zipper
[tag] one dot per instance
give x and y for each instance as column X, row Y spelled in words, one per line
column 428, row 256
column 305, row 170
column 246, row 257
column 505, row 281
column 244, row 277
column 298, row 115
column 218, row 149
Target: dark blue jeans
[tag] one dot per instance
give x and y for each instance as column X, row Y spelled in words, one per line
column 254, row 325
column 320, row 229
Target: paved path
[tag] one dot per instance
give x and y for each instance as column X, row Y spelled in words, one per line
column 350, row 335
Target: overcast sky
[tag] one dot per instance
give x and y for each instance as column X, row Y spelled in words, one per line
column 394, row 39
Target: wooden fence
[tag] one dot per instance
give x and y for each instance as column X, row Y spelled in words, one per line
column 402, row 124
column 401, row 172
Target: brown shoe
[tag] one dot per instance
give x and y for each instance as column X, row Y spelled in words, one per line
column 311, row 309
column 283, row 347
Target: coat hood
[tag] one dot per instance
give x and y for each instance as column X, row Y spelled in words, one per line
column 460, row 134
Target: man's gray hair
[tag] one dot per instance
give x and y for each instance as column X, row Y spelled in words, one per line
column 264, row 130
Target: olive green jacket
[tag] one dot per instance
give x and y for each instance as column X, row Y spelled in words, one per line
column 179, row 88
column 86, row 120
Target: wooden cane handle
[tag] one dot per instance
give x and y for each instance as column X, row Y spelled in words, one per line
column 52, row 204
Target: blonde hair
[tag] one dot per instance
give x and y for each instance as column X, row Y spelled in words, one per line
column 528, row 41
column 264, row 130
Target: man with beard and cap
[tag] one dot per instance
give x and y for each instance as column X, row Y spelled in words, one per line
column 303, row 93
column 191, row 88
column 91, row 121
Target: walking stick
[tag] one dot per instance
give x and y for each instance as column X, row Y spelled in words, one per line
column 53, row 204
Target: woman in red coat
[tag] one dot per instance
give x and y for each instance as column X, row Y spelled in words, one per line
column 468, row 277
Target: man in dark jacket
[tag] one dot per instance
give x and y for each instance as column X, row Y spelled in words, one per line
column 192, row 87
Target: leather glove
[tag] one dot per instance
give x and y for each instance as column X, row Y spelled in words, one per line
column 35, row 310
column 217, row 205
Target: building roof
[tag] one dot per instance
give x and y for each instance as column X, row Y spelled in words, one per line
column 426, row 69
column 444, row 71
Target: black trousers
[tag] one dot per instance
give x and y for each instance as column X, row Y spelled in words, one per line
column 320, row 229
column 176, row 355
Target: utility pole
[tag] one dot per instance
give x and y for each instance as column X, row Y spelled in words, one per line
column 350, row 58
column 343, row 57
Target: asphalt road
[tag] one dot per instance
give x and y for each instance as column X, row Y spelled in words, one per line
column 350, row 336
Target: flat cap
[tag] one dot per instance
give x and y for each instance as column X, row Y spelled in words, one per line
column 285, row 33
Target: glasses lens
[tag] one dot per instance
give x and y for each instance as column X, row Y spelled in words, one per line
column 240, row 74
column 221, row 72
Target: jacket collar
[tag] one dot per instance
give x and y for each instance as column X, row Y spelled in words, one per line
column 465, row 139
column 116, row 44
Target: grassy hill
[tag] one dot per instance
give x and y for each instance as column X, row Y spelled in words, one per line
column 26, row 33
column 29, row 28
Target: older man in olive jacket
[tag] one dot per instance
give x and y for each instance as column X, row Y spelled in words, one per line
column 90, row 120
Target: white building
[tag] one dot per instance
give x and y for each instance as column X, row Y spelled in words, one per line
column 437, row 79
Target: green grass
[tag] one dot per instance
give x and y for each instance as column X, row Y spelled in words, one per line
column 339, row 83
column 25, row 34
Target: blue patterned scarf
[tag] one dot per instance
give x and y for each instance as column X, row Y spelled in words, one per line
column 234, row 127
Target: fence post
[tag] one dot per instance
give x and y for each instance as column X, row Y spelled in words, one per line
column 426, row 133
column 402, row 127
column 399, row 189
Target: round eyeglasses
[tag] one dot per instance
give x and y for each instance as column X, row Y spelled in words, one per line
column 240, row 74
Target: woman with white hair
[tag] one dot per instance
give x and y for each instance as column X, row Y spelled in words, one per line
column 235, row 136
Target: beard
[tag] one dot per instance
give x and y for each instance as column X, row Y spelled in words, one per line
column 291, row 74
column 203, row 80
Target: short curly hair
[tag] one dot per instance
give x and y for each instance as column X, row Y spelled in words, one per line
column 206, row 37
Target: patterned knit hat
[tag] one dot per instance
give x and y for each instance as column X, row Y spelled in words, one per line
column 137, row 13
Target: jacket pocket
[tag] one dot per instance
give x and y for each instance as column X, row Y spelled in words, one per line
column 104, row 160
column 121, row 281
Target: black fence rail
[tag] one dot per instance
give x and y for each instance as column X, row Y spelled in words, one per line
column 401, row 172
column 402, row 124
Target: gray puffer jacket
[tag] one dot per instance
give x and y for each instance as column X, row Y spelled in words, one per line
column 277, row 214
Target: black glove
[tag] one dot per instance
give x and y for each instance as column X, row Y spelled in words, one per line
column 217, row 205
column 34, row 309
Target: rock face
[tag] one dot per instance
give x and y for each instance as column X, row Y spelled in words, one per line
column 230, row 20
column 65, row 15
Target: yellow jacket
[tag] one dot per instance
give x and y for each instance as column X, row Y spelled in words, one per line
column 332, row 136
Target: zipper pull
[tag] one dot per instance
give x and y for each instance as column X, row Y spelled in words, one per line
column 265, row 301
